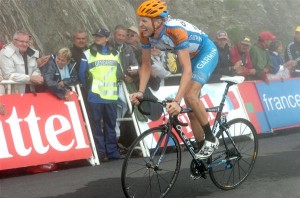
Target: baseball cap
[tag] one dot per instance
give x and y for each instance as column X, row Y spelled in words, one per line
column 266, row 36
column 222, row 35
column 297, row 29
column 246, row 40
column 102, row 32
column 134, row 29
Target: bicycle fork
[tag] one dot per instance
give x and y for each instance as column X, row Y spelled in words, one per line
column 163, row 137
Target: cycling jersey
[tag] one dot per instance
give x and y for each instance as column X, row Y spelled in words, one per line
column 177, row 35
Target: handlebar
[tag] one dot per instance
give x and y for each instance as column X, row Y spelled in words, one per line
column 163, row 104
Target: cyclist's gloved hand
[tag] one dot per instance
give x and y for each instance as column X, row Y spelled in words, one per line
column 173, row 108
column 134, row 97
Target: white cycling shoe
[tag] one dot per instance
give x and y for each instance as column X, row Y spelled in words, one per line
column 207, row 149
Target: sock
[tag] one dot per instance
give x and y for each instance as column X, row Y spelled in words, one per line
column 208, row 133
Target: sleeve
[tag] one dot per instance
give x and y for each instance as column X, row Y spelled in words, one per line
column 35, row 68
column 51, row 83
column 2, row 90
column 145, row 44
column 288, row 53
column 179, row 36
column 234, row 56
column 254, row 58
column 119, row 71
column 1, row 77
column 274, row 66
column 9, row 70
column 82, row 71
column 73, row 80
column 133, row 60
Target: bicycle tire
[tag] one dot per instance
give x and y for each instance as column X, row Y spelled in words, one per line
column 235, row 171
column 140, row 176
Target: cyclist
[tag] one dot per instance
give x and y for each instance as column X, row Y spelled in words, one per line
column 198, row 57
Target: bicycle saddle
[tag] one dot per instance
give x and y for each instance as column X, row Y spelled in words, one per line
column 234, row 79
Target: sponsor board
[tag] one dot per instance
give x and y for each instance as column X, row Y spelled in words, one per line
column 41, row 129
column 281, row 102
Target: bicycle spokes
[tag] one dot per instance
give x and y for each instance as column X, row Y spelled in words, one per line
column 231, row 164
column 152, row 175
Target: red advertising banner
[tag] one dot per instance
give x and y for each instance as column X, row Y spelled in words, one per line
column 253, row 106
column 41, row 129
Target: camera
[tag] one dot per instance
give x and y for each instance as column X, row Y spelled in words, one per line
column 130, row 68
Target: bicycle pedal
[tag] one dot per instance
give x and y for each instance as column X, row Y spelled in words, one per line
column 204, row 176
column 194, row 177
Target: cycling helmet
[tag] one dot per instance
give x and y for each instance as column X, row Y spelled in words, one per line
column 152, row 9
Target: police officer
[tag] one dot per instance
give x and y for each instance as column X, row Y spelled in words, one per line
column 99, row 72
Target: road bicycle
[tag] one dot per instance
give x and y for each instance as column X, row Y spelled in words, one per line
column 152, row 172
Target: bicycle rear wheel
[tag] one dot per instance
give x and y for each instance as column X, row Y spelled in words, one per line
column 152, row 172
column 232, row 163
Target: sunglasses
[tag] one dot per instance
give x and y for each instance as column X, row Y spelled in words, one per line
column 130, row 35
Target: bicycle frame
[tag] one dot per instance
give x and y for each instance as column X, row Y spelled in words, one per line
column 218, row 121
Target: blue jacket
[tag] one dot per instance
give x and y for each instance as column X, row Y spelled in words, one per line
column 52, row 77
column 276, row 61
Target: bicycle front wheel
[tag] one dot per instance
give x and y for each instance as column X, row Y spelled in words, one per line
column 232, row 163
column 152, row 164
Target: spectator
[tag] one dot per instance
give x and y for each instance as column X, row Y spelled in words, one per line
column 126, row 54
column 240, row 59
column 279, row 69
column 98, row 72
column 79, row 46
column 259, row 55
column 130, row 77
column 128, row 61
column 1, row 44
column 41, row 61
column 18, row 63
column 80, row 43
column 2, row 91
column 60, row 74
column 292, row 52
column 134, row 40
column 224, row 64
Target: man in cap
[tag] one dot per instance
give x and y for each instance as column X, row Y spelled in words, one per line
column 129, row 66
column 126, row 53
column 240, row 58
column 224, row 64
column 99, row 72
column 292, row 52
column 133, row 39
column 259, row 55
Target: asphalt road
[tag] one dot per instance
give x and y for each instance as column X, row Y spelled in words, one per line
column 276, row 174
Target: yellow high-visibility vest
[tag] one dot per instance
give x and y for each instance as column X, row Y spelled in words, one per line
column 103, row 72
